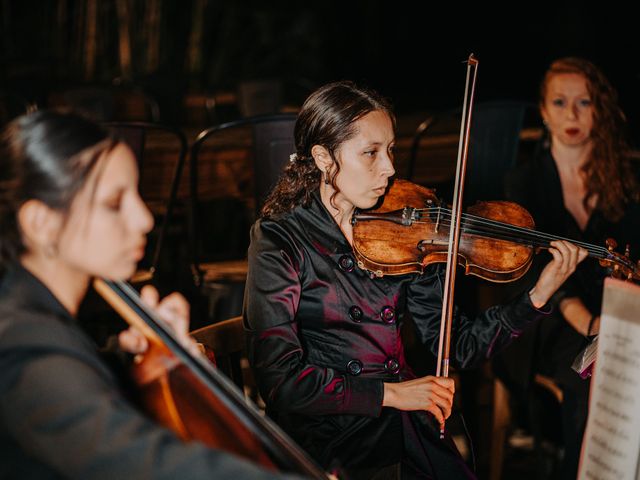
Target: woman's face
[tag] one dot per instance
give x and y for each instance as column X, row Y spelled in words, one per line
column 366, row 162
column 568, row 109
column 105, row 233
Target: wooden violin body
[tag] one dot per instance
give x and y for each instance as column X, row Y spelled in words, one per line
column 410, row 228
column 397, row 245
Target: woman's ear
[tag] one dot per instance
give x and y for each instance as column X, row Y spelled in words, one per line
column 543, row 115
column 322, row 158
column 40, row 225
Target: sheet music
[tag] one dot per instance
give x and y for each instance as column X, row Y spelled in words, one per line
column 611, row 447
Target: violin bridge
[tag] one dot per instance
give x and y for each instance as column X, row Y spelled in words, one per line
column 409, row 215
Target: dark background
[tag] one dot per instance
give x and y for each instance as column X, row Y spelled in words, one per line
column 411, row 51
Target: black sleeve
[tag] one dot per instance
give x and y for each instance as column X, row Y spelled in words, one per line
column 472, row 339
column 65, row 415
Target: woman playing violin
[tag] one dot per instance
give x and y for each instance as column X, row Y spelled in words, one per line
column 70, row 211
column 581, row 186
column 324, row 335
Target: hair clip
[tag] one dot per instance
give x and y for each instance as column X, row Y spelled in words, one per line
column 293, row 157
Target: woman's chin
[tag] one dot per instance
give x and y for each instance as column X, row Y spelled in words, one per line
column 128, row 272
column 368, row 203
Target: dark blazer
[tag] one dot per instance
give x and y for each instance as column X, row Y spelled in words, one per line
column 62, row 414
column 324, row 335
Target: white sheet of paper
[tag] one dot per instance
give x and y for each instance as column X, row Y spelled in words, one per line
column 611, row 448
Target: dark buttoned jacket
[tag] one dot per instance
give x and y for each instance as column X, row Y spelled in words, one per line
column 62, row 412
column 323, row 336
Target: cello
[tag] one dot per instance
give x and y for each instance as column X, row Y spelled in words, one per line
column 187, row 394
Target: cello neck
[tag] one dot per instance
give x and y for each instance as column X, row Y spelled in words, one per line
column 126, row 301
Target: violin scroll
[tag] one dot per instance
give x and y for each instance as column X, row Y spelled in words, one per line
column 620, row 266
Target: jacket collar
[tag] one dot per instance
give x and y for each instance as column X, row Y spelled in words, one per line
column 322, row 228
column 21, row 288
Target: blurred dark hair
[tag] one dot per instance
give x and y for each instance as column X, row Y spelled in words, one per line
column 327, row 118
column 609, row 172
column 45, row 156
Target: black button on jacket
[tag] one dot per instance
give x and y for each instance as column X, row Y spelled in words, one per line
column 301, row 338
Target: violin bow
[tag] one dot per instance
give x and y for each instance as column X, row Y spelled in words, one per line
column 456, row 214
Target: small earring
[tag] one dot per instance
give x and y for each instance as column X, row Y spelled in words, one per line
column 51, row 250
column 326, row 177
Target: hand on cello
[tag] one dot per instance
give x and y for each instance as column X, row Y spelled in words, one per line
column 173, row 309
column 566, row 257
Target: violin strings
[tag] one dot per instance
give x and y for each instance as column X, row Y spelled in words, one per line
column 501, row 226
column 535, row 237
column 492, row 227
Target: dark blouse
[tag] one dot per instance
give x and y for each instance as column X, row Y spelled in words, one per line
column 536, row 186
column 324, row 335
column 551, row 346
column 62, row 414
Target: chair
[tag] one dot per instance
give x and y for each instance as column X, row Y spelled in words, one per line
column 251, row 151
column 226, row 340
column 501, row 419
column 545, row 398
column 161, row 152
column 226, row 161
column 494, row 142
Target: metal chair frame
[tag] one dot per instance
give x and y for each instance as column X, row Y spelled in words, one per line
column 144, row 128
column 264, row 177
column 503, row 138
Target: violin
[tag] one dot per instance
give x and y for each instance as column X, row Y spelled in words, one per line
column 410, row 228
column 187, row 394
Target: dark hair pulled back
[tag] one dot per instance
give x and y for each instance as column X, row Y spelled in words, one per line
column 327, row 118
column 45, row 156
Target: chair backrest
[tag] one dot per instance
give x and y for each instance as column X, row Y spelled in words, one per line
column 493, row 145
column 273, row 143
column 161, row 152
column 258, row 146
column 226, row 340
